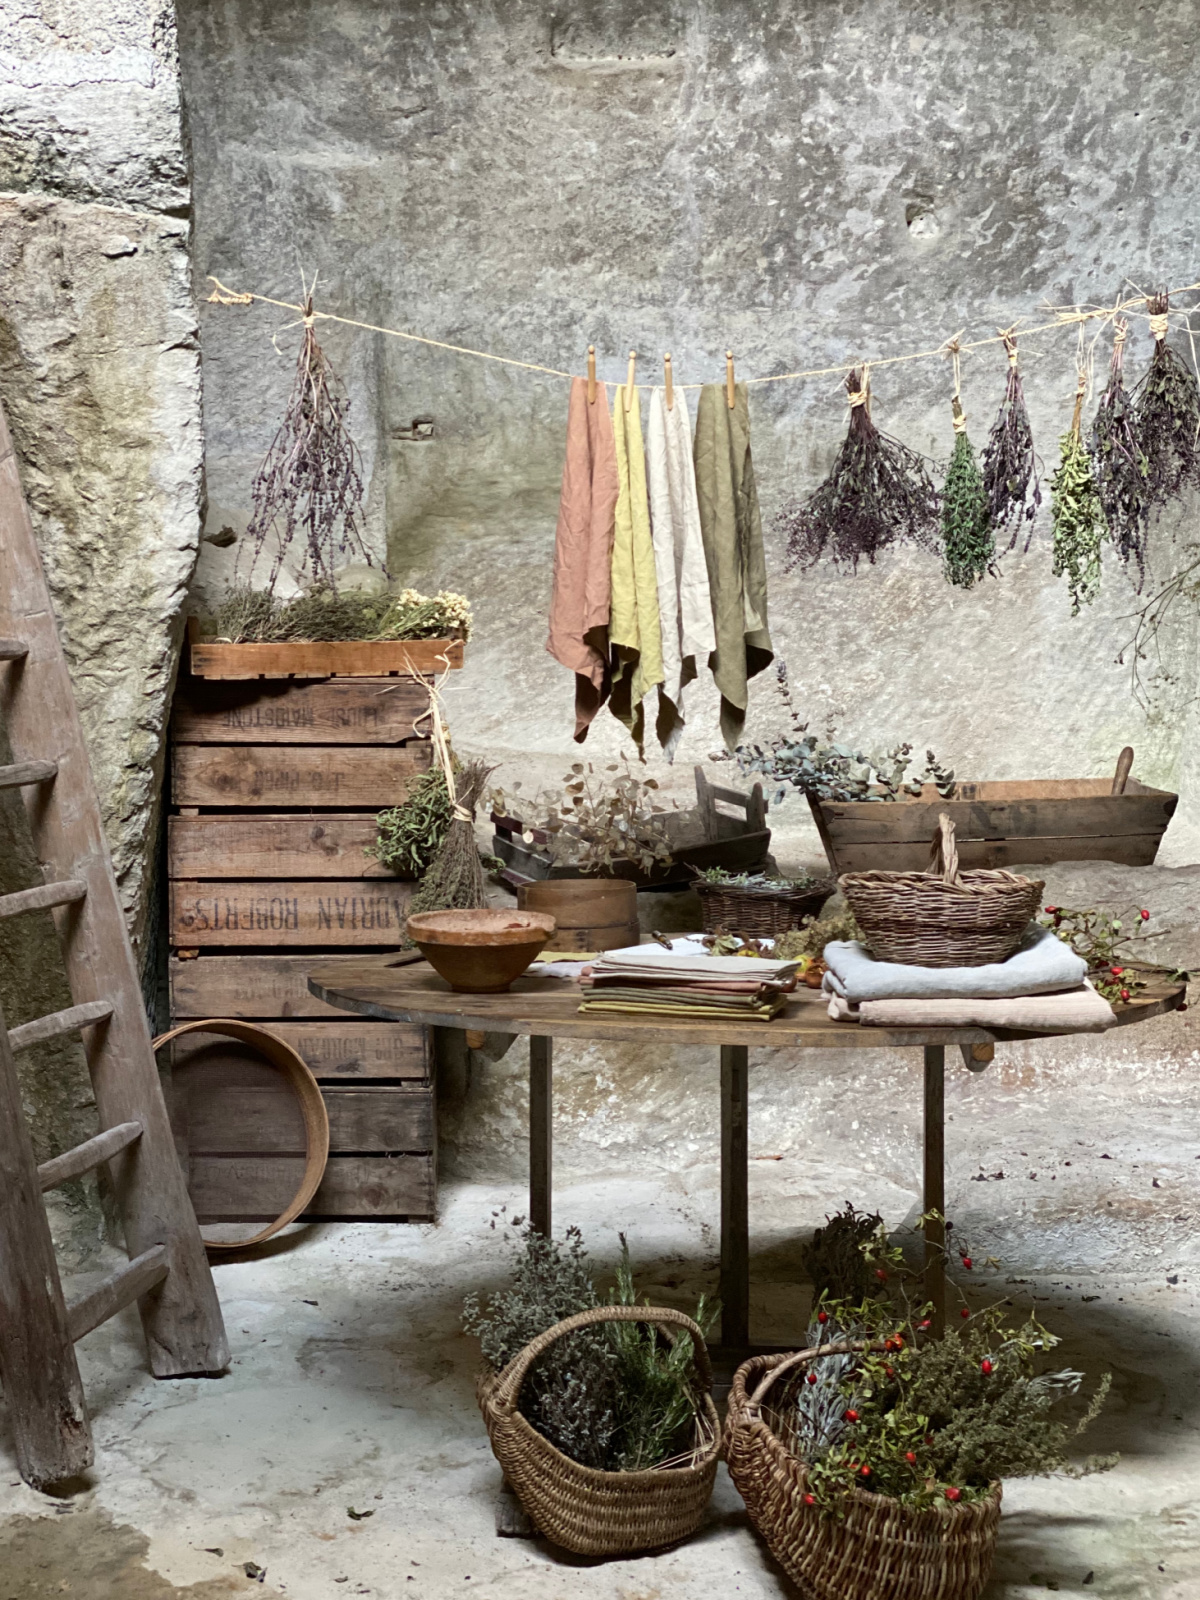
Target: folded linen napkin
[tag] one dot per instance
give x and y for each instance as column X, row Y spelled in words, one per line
column 764, row 1001
column 1079, row 1010
column 651, row 963
column 1041, row 964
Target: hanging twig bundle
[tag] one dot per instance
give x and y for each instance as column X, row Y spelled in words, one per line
column 1167, row 415
column 968, row 544
column 1010, row 477
column 455, row 881
column 1119, row 466
column 879, row 493
column 1078, row 515
column 310, row 482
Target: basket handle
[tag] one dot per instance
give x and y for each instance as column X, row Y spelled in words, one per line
column 786, row 1363
column 508, row 1384
column 943, row 853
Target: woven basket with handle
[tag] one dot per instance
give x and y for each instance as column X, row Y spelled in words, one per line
column 583, row 1509
column 759, row 913
column 879, row 1549
column 943, row 917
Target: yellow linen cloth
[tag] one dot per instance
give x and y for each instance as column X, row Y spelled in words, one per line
column 634, row 631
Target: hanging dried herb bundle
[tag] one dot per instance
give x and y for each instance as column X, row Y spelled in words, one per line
column 310, row 482
column 968, row 543
column 1078, row 515
column 1010, row 478
column 455, row 881
column 1119, row 466
column 879, row 493
column 1167, row 415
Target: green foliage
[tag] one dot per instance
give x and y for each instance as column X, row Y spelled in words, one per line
column 1078, row 517
column 254, row 616
column 968, row 543
column 837, row 1260
column 408, row 835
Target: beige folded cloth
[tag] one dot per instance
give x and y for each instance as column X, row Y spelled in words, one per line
column 1079, row 1010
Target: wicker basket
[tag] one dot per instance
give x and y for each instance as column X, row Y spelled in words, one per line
column 879, row 1550
column 943, row 917
column 582, row 1509
column 759, row 913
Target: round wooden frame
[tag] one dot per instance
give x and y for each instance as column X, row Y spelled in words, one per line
column 312, row 1106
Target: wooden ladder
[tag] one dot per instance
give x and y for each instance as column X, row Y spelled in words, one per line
column 167, row 1273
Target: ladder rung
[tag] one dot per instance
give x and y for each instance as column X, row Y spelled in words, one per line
column 13, row 650
column 46, row 894
column 116, row 1292
column 27, row 772
column 58, row 1022
column 73, row 1163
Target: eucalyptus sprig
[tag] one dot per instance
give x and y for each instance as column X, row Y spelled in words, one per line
column 1078, row 514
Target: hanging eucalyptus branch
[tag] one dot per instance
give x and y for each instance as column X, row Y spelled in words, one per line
column 1119, row 466
column 1167, row 415
column 1078, row 516
column 968, row 543
column 879, row 493
column 1010, row 477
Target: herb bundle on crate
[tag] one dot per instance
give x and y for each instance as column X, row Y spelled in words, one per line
column 1078, row 514
column 1119, row 464
column 409, row 835
column 878, row 494
column 1167, row 415
column 1010, row 477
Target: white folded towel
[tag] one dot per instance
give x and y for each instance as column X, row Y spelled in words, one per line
column 1041, row 964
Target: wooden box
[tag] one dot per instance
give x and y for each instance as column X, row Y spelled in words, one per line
column 276, row 785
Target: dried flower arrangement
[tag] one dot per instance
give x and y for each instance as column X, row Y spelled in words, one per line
column 1167, row 414
column 878, row 493
column 253, row 616
column 593, row 824
column 968, row 542
column 617, row 1397
column 1078, row 514
column 1010, row 478
column 1120, row 468
column 1107, row 943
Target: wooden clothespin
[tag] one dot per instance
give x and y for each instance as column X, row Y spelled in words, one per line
column 591, row 374
column 669, row 381
column 730, row 397
column 629, row 379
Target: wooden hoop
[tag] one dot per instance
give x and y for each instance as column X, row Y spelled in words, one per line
column 312, row 1106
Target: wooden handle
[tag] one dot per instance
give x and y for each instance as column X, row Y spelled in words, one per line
column 1124, row 768
column 669, row 381
column 943, row 855
column 730, row 395
column 591, row 374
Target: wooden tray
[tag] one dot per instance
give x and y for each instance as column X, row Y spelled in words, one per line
column 354, row 658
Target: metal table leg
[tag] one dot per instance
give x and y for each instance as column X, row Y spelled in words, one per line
column 735, row 1200
column 935, row 1182
column 541, row 1135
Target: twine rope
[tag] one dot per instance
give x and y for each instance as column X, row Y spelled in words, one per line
column 1159, row 323
column 953, row 349
column 441, row 746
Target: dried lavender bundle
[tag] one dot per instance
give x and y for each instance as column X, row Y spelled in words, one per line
column 1120, row 468
column 1010, row 478
column 1166, row 413
column 968, row 543
column 1078, row 515
column 310, row 482
column 879, row 493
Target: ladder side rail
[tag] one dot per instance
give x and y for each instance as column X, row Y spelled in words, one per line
column 182, row 1319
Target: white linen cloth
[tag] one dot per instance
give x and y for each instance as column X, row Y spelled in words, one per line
column 1041, row 964
column 1079, row 1010
column 684, row 602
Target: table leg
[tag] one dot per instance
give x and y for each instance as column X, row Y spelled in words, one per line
column 541, row 1135
column 934, row 1199
column 735, row 1203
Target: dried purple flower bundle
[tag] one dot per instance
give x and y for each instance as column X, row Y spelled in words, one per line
column 1010, row 478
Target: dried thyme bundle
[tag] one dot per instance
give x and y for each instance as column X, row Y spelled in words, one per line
column 1119, row 466
column 1010, row 478
column 1167, row 415
column 408, row 836
column 1077, row 513
column 455, row 881
column 968, row 543
column 879, row 493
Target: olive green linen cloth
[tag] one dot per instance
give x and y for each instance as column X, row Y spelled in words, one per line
column 733, row 547
column 634, row 633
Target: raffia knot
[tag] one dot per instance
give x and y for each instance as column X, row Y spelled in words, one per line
column 960, row 422
column 1160, row 322
column 1121, row 332
column 461, row 814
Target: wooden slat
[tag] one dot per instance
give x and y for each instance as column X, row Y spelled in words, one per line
column 119, row 1289
column 87, row 1156
column 1101, row 816
column 265, row 846
column 253, row 1119
column 256, row 986
column 21, row 773
column 346, row 1049
column 280, row 914
column 1131, row 850
column 13, row 650
column 58, row 1023
column 256, row 1188
column 266, row 711
column 43, row 896
column 277, row 776
column 347, row 658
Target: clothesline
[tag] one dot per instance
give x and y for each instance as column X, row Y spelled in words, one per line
column 1076, row 317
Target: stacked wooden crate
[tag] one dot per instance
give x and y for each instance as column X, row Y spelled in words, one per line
column 276, row 784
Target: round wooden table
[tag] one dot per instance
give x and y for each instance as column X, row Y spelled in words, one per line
column 547, row 1008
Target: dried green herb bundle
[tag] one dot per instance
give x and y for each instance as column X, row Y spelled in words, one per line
column 409, row 835
column 1167, row 415
column 878, row 494
column 968, row 543
column 455, row 881
column 310, row 482
column 1118, row 464
column 1010, row 477
column 1078, row 515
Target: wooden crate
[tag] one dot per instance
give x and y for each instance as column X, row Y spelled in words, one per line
column 276, row 786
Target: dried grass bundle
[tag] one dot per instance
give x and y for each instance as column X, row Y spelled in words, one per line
column 455, row 881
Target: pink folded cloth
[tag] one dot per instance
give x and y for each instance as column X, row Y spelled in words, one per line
column 1079, row 1010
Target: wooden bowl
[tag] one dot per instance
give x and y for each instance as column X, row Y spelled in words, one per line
column 480, row 952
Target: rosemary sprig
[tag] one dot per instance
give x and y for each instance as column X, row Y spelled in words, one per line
column 1078, row 515
column 968, row 543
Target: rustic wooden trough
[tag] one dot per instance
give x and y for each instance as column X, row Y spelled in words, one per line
column 1004, row 824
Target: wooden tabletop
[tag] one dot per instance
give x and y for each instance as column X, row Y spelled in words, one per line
column 550, row 1007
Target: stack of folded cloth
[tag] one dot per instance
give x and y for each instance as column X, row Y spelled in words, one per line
column 1041, row 988
column 651, row 981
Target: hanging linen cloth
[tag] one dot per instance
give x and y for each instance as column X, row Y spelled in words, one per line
column 684, row 600
column 583, row 545
column 733, row 546
column 634, row 629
